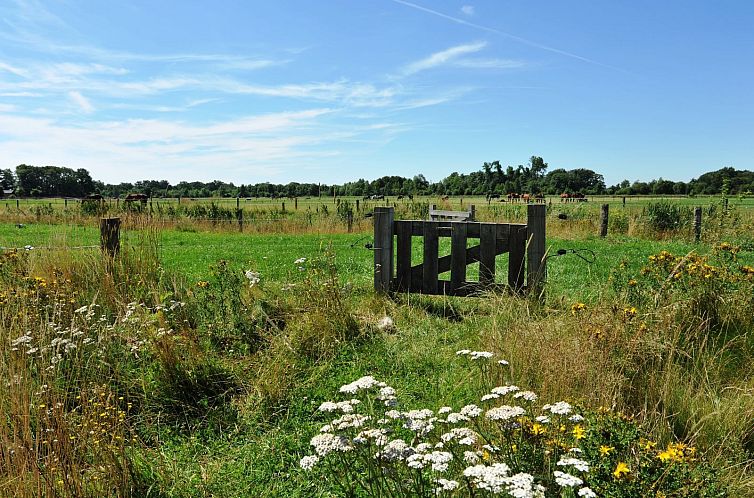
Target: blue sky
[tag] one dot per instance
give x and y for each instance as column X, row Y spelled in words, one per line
column 334, row 90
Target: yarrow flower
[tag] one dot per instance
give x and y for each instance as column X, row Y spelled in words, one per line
column 505, row 412
column 587, row 493
column 253, row 277
column 526, row 395
column 471, row 411
column 480, row 355
column 325, row 443
column 446, row 485
column 576, row 463
column 566, row 480
column 366, row 382
column 308, row 462
column 559, row 408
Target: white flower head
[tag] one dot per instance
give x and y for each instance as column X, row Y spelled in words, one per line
column 505, row 412
column 308, row 462
column 566, row 480
column 576, row 463
column 587, row 493
column 481, row 355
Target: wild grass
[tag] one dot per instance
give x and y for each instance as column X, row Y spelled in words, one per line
column 213, row 389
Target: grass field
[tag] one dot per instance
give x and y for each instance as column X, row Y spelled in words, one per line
column 208, row 386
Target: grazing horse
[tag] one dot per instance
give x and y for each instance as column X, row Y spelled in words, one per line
column 564, row 197
column 539, row 198
column 513, row 197
column 525, row 198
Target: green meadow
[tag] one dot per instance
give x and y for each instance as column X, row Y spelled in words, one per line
column 196, row 362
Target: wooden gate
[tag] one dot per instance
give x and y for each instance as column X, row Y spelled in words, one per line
column 392, row 262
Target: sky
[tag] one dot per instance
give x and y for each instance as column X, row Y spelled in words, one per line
column 336, row 90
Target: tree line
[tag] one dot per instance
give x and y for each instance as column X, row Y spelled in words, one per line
column 492, row 179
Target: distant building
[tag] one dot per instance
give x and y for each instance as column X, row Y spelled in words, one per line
column 7, row 192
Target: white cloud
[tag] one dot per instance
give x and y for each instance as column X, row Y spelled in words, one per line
column 81, row 101
column 467, row 10
column 177, row 150
column 443, row 57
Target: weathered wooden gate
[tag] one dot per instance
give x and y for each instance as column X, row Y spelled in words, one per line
column 392, row 262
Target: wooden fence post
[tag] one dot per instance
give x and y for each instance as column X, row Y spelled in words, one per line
column 357, row 206
column 535, row 253
column 283, row 209
column 383, row 248
column 239, row 217
column 295, row 203
column 349, row 221
column 697, row 224
column 603, row 219
column 472, row 215
column 109, row 230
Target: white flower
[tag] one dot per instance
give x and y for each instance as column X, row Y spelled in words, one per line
column 542, row 419
column 464, row 436
column 480, row 355
column 308, row 462
column 454, row 418
column 397, row 449
column 349, row 420
column 253, row 277
column 446, row 485
column 299, row 261
column 471, row 411
column 577, row 463
column 527, row 395
column 444, row 410
column 587, row 493
column 559, row 408
column 471, row 456
column 503, row 363
column 385, row 324
column 24, row 339
column 566, row 480
column 488, row 397
column 503, row 390
column 490, row 478
column 505, row 412
column 387, row 396
column 325, row 443
column 463, row 352
column 576, row 418
column 343, row 406
column 378, row 435
column 366, row 382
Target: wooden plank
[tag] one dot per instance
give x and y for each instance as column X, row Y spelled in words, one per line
column 383, row 248
column 516, row 252
column 487, row 253
column 403, row 260
column 458, row 256
column 431, row 253
column 472, row 229
column 535, row 236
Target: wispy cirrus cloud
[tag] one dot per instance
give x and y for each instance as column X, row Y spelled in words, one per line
column 443, row 57
column 82, row 102
column 511, row 36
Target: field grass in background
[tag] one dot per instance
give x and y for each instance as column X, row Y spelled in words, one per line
column 225, row 388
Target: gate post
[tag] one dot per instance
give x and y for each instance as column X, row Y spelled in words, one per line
column 383, row 248
column 535, row 252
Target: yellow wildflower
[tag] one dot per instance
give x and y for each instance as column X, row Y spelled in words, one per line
column 620, row 470
column 578, row 432
column 605, row 450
